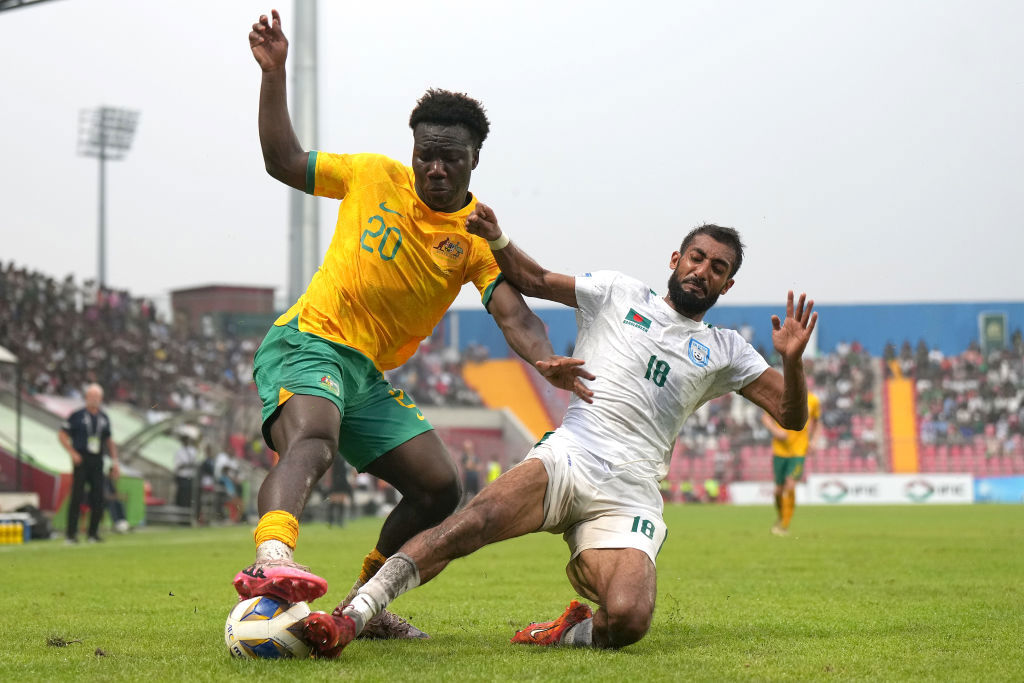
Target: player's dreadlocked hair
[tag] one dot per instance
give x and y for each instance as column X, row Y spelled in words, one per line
column 448, row 108
column 727, row 236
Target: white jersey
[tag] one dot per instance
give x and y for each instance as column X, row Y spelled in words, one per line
column 654, row 368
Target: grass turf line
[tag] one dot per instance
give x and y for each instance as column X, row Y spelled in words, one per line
column 891, row 593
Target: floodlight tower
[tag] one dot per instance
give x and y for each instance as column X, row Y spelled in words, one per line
column 304, row 219
column 105, row 133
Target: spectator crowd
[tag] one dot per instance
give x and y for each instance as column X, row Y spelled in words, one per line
column 67, row 335
column 974, row 398
column 728, row 434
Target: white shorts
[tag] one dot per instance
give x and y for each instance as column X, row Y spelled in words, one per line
column 593, row 505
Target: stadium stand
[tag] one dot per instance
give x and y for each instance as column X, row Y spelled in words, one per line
column 66, row 336
column 507, row 383
column 970, row 407
column 725, row 440
column 962, row 413
column 157, row 377
column 434, row 376
column 957, row 413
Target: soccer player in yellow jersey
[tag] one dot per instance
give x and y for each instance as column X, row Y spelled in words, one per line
column 399, row 256
column 789, row 449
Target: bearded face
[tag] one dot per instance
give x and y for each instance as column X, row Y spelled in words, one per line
column 689, row 295
column 700, row 274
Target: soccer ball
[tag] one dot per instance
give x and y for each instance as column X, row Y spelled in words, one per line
column 266, row 628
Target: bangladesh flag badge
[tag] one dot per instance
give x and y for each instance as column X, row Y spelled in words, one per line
column 638, row 320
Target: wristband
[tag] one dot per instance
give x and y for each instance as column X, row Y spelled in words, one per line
column 500, row 243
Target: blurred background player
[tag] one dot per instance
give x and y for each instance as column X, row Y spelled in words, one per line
column 115, row 502
column 399, row 256
column 186, row 464
column 789, row 450
column 340, row 492
column 595, row 478
column 471, row 469
column 86, row 436
column 227, row 475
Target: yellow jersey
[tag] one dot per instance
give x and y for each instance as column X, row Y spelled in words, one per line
column 394, row 265
column 795, row 444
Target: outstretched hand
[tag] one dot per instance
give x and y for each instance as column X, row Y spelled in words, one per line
column 790, row 336
column 483, row 223
column 269, row 46
column 567, row 373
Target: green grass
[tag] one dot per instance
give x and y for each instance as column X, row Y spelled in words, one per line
column 870, row 593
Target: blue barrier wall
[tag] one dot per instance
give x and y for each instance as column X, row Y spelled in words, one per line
column 949, row 327
column 999, row 490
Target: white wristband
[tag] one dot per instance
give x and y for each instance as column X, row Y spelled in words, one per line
column 499, row 243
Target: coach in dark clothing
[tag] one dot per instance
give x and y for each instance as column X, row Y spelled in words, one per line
column 86, row 437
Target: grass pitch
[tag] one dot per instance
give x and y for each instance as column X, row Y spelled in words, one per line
column 876, row 593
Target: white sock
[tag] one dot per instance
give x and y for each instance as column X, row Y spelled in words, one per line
column 580, row 635
column 361, row 609
column 273, row 550
column 398, row 575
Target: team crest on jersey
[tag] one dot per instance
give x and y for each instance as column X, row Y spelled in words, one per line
column 450, row 249
column 637, row 320
column 330, row 384
column 699, row 354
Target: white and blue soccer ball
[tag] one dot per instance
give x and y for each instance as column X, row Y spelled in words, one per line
column 266, row 628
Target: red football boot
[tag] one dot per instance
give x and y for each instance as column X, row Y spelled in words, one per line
column 328, row 634
column 550, row 632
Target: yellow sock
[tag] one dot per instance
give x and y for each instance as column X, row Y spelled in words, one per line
column 778, row 504
column 277, row 525
column 788, row 503
column 371, row 564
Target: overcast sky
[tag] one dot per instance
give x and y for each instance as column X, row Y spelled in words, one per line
column 867, row 151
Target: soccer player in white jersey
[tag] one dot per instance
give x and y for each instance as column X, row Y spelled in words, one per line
column 595, row 478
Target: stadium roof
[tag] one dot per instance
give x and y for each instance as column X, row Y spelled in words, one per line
column 14, row 4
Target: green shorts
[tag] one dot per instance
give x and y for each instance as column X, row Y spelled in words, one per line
column 375, row 416
column 787, row 467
